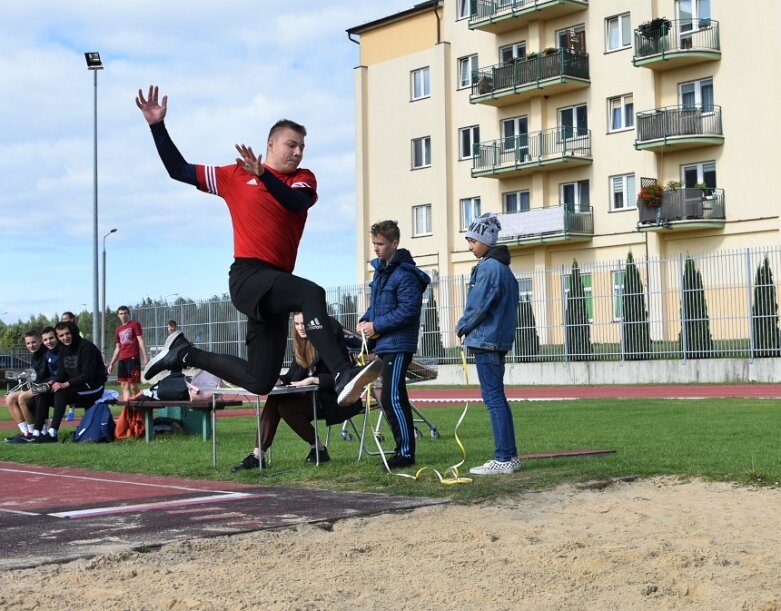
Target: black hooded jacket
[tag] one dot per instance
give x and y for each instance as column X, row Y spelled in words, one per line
column 81, row 364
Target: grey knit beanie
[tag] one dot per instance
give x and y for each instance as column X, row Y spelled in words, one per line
column 484, row 228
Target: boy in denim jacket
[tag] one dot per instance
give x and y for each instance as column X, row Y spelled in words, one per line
column 488, row 331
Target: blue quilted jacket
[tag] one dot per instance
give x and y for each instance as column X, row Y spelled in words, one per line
column 396, row 301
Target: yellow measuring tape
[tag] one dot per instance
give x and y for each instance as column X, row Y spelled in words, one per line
column 451, row 475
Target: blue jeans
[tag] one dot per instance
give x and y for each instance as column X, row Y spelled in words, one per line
column 490, row 372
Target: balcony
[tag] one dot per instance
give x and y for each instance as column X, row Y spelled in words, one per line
column 503, row 15
column 543, row 225
column 673, row 44
column 528, row 77
column 559, row 148
column 684, row 209
column 676, row 128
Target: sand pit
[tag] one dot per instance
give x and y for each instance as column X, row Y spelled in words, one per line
column 654, row 544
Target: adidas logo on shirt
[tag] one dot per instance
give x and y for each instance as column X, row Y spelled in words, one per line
column 314, row 325
column 252, row 181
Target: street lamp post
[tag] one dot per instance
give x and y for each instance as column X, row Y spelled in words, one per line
column 94, row 63
column 103, row 308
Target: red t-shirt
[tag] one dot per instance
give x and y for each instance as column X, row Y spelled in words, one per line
column 262, row 227
column 126, row 336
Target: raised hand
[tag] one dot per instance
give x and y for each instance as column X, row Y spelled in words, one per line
column 248, row 160
column 154, row 112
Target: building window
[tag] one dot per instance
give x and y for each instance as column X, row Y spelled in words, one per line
column 515, row 135
column 699, row 174
column 697, row 94
column 621, row 113
column 575, row 196
column 622, row 192
column 586, row 280
column 618, row 294
column 470, row 208
column 573, row 121
column 468, row 139
column 572, row 39
column 618, row 32
column 693, row 15
column 421, row 220
column 467, row 71
column 462, row 10
column 525, row 286
column 420, row 83
column 421, row 152
column 516, row 201
column 517, row 49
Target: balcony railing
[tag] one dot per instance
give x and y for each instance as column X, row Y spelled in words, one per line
column 664, row 126
column 501, row 15
column 679, row 42
column 531, row 72
column 684, row 205
column 560, row 144
column 546, row 224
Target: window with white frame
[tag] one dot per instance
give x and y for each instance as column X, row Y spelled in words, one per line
column 516, row 201
column 575, row 196
column 470, row 208
column 421, row 220
column 692, row 15
column 517, row 49
column 697, row 94
column 622, row 192
column 421, row 152
column 515, row 135
column 525, row 289
column 587, row 296
column 420, row 82
column 468, row 138
column 573, row 39
column 618, row 294
column 618, row 32
column 573, row 121
column 467, row 71
column 462, row 9
column 621, row 113
column 703, row 173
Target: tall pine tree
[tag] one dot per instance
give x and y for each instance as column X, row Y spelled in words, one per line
column 695, row 340
column 636, row 336
column 578, row 331
column 764, row 314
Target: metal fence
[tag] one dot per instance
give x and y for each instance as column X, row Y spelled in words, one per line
column 690, row 306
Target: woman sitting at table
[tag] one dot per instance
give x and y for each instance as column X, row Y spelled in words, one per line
column 296, row 408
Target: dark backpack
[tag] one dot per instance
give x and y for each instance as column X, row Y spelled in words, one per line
column 173, row 388
column 97, row 425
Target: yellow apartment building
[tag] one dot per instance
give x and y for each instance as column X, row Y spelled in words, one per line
column 592, row 127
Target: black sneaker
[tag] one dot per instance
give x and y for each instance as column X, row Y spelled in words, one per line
column 323, row 456
column 251, row 462
column 397, row 461
column 44, row 438
column 171, row 356
column 20, row 438
column 349, row 384
column 39, row 389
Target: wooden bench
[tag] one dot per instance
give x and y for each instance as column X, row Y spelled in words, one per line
column 204, row 408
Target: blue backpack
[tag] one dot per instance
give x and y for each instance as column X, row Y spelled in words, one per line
column 97, row 425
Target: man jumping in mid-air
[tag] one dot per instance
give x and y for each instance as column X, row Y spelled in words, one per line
column 268, row 204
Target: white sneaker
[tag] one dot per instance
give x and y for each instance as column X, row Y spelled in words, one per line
column 494, row 467
column 517, row 463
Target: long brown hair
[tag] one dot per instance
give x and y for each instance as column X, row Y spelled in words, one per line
column 306, row 355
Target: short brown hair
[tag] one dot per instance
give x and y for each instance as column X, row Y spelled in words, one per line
column 387, row 229
column 286, row 124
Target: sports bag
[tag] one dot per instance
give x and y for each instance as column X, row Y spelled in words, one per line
column 173, row 388
column 97, row 425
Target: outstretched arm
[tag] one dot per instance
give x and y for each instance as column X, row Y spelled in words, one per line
column 154, row 113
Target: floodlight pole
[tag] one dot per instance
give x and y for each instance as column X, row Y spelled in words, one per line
column 94, row 63
column 103, row 309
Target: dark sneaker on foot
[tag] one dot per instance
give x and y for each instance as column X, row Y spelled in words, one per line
column 170, row 357
column 350, row 383
column 397, row 461
column 39, row 389
column 20, row 438
column 44, row 438
column 323, row 456
column 251, row 462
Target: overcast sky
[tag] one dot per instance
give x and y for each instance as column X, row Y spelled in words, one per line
column 230, row 70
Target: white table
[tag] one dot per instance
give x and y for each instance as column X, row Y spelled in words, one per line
column 277, row 390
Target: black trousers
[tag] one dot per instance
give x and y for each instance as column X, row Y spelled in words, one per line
column 79, row 397
column 395, row 401
column 267, row 296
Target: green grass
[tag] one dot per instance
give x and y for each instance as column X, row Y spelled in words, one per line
column 726, row 439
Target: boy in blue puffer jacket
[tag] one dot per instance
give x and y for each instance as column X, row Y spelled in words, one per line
column 488, row 324
column 393, row 323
